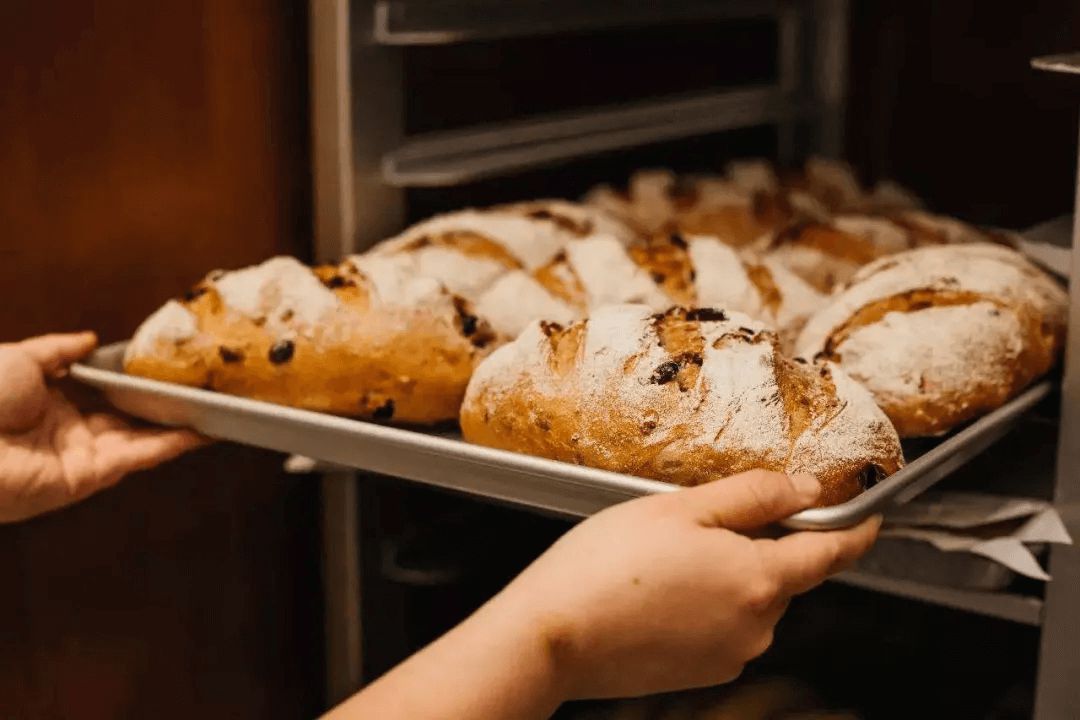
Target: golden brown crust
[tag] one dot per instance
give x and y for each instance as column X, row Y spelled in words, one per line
column 469, row 244
column 942, row 334
column 832, row 255
column 763, row 280
column 666, row 259
column 559, row 279
column 586, row 394
column 409, row 364
column 737, row 224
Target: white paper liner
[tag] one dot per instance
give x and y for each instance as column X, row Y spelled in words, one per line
column 965, row 522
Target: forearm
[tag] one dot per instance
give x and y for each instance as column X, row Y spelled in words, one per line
column 494, row 665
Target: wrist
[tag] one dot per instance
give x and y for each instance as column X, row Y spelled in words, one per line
column 539, row 643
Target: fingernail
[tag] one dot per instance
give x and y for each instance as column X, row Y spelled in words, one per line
column 806, row 485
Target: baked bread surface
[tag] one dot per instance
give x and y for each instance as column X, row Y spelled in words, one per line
column 469, row 250
column 666, row 270
column 942, row 334
column 684, row 396
column 379, row 345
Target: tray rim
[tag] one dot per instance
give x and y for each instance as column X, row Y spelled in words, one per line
column 918, row 475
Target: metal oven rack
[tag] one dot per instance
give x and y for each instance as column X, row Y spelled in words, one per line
column 364, row 163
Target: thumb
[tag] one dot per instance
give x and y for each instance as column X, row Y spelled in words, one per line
column 53, row 353
column 750, row 500
column 23, row 394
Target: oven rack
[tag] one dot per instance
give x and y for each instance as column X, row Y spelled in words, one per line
column 360, row 151
column 457, row 157
column 439, row 22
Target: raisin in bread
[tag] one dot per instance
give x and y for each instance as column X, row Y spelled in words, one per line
column 685, row 396
column 942, row 334
column 384, row 345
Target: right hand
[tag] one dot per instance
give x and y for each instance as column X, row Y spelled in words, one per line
column 51, row 453
column 672, row 591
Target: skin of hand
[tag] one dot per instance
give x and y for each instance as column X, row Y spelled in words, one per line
column 51, row 454
column 663, row 593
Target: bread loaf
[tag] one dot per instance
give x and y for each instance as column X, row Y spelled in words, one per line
column 826, row 254
column 468, row 250
column 684, row 396
column 738, row 213
column 665, row 271
column 750, row 201
column 378, row 344
column 942, row 334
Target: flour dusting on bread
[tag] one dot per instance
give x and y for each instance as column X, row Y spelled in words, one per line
column 171, row 323
column 282, row 292
column 683, row 396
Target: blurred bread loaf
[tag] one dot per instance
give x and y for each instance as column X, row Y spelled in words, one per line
column 468, row 250
column 667, row 270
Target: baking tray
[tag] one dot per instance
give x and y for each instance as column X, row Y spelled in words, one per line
column 444, row 460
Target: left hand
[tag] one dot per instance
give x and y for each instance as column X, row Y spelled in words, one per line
column 51, row 454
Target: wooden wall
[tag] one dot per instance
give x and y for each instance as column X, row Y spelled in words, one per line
column 141, row 144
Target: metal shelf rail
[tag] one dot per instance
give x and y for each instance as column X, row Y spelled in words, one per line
column 459, row 157
column 440, row 22
column 1006, row 606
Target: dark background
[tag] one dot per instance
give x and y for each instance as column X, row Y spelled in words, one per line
column 144, row 143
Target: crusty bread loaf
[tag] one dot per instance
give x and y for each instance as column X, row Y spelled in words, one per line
column 749, row 201
column 382, row 345
column 738, row 213
column 685, row 396
column 467, row 251
column 942, row 334
column 834, row 184
column 667, row 270
column 826, row 254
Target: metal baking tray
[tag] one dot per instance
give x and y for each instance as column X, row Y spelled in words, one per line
column 445, row 461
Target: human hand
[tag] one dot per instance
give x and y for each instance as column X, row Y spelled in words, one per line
column 51, row 455
column 673, row 591
column 658, row 594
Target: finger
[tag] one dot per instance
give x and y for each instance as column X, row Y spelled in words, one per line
column 120, row 452
column 750, row 500
column 55, row 352
column 23, row 395
column 804, row 560
column 105, row 422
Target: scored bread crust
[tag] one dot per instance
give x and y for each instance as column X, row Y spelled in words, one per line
column 685, row 396
column 331, row 339
column 737, row 210
column 942, row 334
column 469, row 250
column 749, row 201
column 673, row 269
column 828, row 253
column 666, row 270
